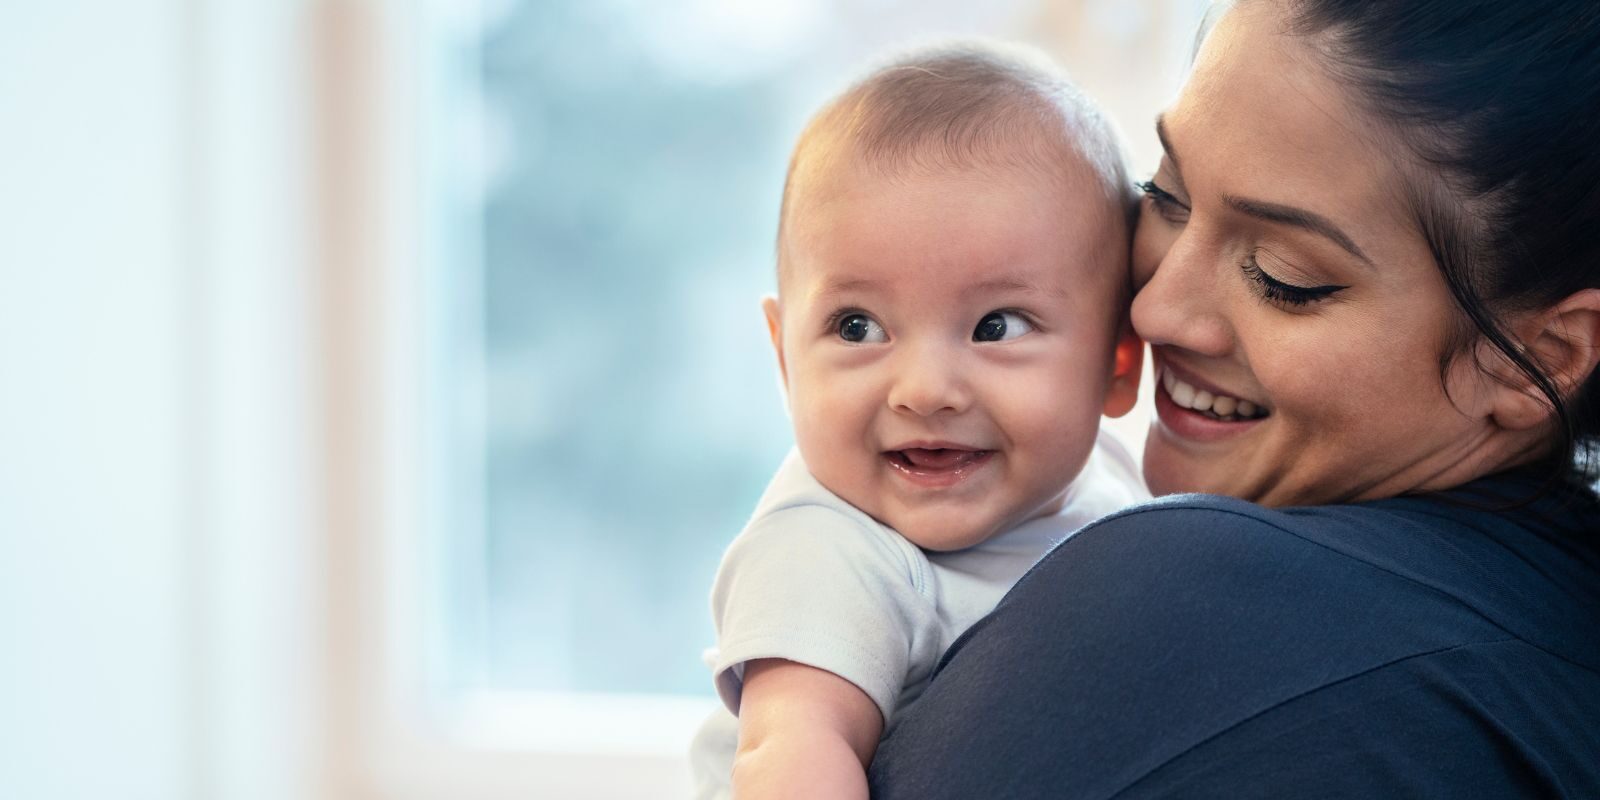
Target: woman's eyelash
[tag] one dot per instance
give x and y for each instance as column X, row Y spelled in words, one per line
column 1287, row 294
column 1163, row 199
column 1150, row 188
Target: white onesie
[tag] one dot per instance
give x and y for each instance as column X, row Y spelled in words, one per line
column 814, row 580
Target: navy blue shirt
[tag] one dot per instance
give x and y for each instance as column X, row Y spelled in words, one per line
column 1202, row 646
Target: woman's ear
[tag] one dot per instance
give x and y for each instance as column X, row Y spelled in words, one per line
column 774, row 314
column 1564, row 341
column 1127, row 364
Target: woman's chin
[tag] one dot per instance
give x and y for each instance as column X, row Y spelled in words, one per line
column 1162, row 476
column 1171, row 469
column 1162, row 482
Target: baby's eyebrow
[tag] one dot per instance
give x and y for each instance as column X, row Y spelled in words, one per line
column 994, row 285
column 1012, row 284
column 844, row 285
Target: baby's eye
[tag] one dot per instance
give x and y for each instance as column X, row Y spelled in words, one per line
column 861, row 329
column 998, row 326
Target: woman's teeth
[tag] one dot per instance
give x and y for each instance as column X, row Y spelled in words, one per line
column 1221, row 407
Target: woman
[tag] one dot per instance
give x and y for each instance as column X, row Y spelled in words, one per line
column 1369, row 264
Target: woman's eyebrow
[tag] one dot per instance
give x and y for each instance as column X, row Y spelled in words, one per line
column 1299, row 218
column 1166, row 143
column 1275, row 212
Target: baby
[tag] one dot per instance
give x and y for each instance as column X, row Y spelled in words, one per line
column 950, row 325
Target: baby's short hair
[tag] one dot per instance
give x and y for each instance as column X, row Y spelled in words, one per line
column 970, row 102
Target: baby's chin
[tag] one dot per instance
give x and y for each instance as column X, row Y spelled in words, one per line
column 947, row 541
column 938, row 530
column 948, row 527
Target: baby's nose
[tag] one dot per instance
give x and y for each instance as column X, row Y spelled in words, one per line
column 930, row 385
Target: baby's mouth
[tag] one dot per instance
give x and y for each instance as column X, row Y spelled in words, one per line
column 935, row 460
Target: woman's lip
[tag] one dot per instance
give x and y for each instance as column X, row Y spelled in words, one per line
column 937, row 470
column 1195, row 426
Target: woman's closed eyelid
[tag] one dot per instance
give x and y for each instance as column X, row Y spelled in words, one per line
column 1169, row 206
column 1166, row 174
column 1173, row 185
column 1282, row 292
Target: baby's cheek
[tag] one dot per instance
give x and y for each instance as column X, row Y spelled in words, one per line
column 1063, row 421
column 814, row 431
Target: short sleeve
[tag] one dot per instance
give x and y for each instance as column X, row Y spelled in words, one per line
column 811, row 585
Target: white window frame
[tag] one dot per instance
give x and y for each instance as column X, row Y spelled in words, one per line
column 394, row 731
column 391, row 729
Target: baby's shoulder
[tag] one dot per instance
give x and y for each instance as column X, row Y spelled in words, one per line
column 799, row 522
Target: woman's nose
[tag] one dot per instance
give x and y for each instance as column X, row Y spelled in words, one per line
column 1184, row 302
column 928, row 382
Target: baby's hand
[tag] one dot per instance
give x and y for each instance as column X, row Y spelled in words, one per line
column 803, row 733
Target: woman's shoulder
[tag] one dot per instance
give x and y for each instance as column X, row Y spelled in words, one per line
column 1205, row 561
column 1432, row 539
column 1434, row 564
column 1197, row 622
column 1189, row 532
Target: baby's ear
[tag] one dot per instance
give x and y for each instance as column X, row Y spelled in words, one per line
column 1127, row 364
column 774, row 313
column 1564, row 341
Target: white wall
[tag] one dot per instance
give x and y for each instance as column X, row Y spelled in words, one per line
column 94, row 452
column 160, row 582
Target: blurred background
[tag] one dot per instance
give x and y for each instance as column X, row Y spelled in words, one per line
column 381, row 381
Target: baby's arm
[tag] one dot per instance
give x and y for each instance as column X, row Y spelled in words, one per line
column 803, row 733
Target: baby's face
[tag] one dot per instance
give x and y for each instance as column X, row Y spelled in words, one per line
column 948, row 343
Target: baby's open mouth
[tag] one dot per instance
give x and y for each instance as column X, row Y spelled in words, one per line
column 936, row 459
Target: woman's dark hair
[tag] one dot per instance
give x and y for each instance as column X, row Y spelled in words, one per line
column 1498, row 101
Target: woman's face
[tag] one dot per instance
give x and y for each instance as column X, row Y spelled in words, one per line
column 1294, row 310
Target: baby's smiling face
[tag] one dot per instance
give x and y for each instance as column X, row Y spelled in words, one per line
column 949, row 339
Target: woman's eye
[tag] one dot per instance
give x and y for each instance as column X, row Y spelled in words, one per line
column 861, row 329
column 1164, row 202
column 997, row 326
column 1283, row 293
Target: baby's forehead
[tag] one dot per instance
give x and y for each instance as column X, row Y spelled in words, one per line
column 979, row 113
column 939, row 231
column 1049, row 163
column 1039, row 179
column 1059, row 164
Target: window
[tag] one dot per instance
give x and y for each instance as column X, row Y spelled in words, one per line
column 599, row 203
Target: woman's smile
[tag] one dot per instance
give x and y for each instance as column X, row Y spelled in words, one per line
column 1192, row 408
